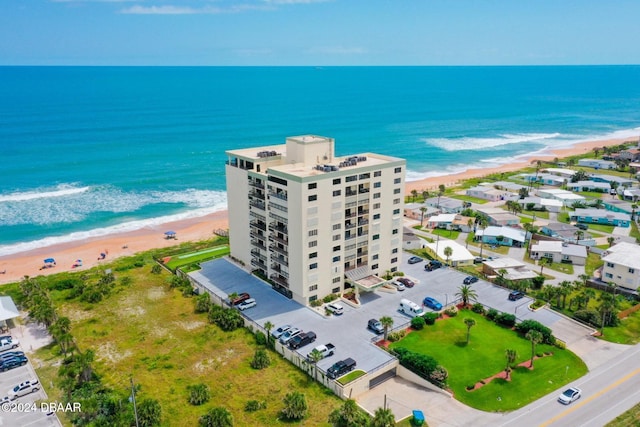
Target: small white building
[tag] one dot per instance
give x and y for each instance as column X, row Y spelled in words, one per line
column 566, row 197
column 460, row 255
column 451, row 222
column 563, row 172
column 489, row 193
column 505, row 236
column 445, row 204
column 597, row 163
column 558, row 251
column 515, row 270
column 600, row 187
column 622, row 265
column 550, row 205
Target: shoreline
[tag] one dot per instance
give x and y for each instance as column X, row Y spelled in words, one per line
column 28, row 263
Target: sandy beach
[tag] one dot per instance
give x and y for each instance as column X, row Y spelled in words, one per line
column 29, row 263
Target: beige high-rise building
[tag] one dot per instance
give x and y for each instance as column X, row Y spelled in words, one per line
column 311, row 222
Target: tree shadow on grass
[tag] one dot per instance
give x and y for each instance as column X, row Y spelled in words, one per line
column 461, row 344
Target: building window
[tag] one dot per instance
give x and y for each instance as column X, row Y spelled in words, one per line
column 375, row 257
column 394, row 260
column 632, row 271
column 608, row 275
column 313, row 266
column 394, row 251
column 397, row 180
column 337, row 181
column 376, row 206
column 336, row 248
column 337, row 193
column 336, row 280
column 313, row 255
column 394, row 269
column 610, row 264
column 395, row 231
column 376, row 216
column 396, row 211
column 377, row 173
column 376, row 236
column 313, row 197
column 335, row 290
column 397, row 170
column 351, row 178
column 313, row 288
column 313, row 244
column 377, row 184
column 396, row 201
column 312, row 186
column 365, row 176
column 374, row 267
column 313, row 232
column 337, row 226
column 376, row 195
column 396, row 191
column 336, row 258
column 312, row 298
column 336, row 237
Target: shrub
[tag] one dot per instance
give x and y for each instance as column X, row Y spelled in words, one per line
column 492, row 314
column 421, row 364
column 417, row 323
column 537, row 282
column 505, row 319
column 260, row 359
column 588, row 316
column 295, row 406
column 329, row 298
column 396, row 336
column 156, row 269
column 198, row 394
column 227, row 319
column 451, row 311
column 477, row 308
column 261, row 338
column 439, row 376
column 316, row 303
column 471, row 386
column 430, row 318
column 254, row 405
column 560, row 344
column 203, row 303
column 528, row 325
column 218, row 417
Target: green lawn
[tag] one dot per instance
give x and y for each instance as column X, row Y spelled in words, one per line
column 628, row 332
column 483, row 358
column 601, row 227
column 634, row 232
column 627, row 419
column 561, row 267
column 502, row 250
column 177, row 261
column 449, row 234
column 594, row 262
column 593, row 194
column 537, row 214
column 468, row 199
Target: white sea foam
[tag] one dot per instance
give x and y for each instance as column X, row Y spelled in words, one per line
column 106, row 231
column 59, row 191
column 468, row 143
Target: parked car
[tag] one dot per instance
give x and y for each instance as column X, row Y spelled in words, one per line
column 410, row 308
column 478, row 260
column 515, row 295
column 8, row 344
column 570, row 395
column 325, row 350
column 433, row 265
column 335, row 308
column 249, row 303
column 375, row 326
column 414, row 260
column 10, row 355
column 406, row 282
column 582, row 226
column 7, row 364
column 302, row 339
column 284, row 338
column 398, row 285
column 281, row 330
column 340, row 368
column 26, row 387
column 432, row 303
column 240, row 298
column 469, row 280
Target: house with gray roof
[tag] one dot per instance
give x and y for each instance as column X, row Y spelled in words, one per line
column 566, row 233
column 504, row 236
column 601, row 216
column 558, row 251
column 446, row 204
column 597, row 163
column 599, row 187
column 624, row 182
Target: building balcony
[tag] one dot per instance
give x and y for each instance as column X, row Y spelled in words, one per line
column 259, row 225
column 257, row 254
column 363, row 212
column 257, row 195
column 277, row 239
column 258, row 264
column 257, row 216
column 350, row 193
column 256, row 184
column 349, row 237
column 278, row 227
column 276, row 248
column 278, row 218
column 349, row 225
column 257, row 235
column 349, row 214
column 278, row 269
column 363, row 190
column 362, row 221
column 258, row 204
column 351, row 267
column 281, row 196
column 279, row 259
column 280, row 280
column 256, row 244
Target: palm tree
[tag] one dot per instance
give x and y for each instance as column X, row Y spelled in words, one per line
column 470, row 323
column 565, row 288
column 314, row 357
column 268, row 326
column 467, row 294
column 607, row 306
column 425, row 195
column 482, row 222
column 414, row 194
column 84, row 361
column 511, row 356
column 634, row 208
column 611, row 240
column 549, row 292
column 579, row 235
column 383, row 418
column 588, row 295
column 423, row 209
column 348, row 415
column 535, row 337
column 448, row 252
column 216, row 417
column 531, row 230
column 596, row 151
column 295, row 406
column 542, row 262
column 387, row 323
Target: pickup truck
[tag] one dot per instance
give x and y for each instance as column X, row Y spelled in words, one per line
column 340, row 368
column 8, row 344
column 302, row 339
column 325, row 350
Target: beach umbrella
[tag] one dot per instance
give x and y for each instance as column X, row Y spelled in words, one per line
column 49, row 261
column 170, row 233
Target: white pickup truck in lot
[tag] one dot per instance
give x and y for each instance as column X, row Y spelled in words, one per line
column 7, row 344
column 325, row 350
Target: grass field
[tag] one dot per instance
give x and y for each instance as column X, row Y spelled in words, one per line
column 483, row 357
column 149, row 332
column 602, row 227
column 449, row 234
column 628, row 332
column 631, row 418
column 186, row 259
column 468, row 199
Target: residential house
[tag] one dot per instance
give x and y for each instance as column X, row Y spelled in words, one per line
column 539, row 203
column 633, row 155
column 632, row 194
column 558, row 251
column 566, row 197
column 509, row 268
column 622, row 265
column 505, row 236
column 564, row 173
column 547, row 179
column 446, row 204
column 617, row 205
column 623, row 182
column 460, row 255
column 597, row 163
column 601, row 216
column 499, row 216
column 598, row 187
column 451, row 222
column 414, row 211
column 505, row 185
column 489, row 193
column 567, row 233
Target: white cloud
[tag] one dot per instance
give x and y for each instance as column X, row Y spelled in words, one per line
column 338, row 50
column 187, row 10
column 295, row 1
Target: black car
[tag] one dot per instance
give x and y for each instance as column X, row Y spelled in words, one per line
column 340, row 368
column 433, row 265
column 516, row 295
column 469, row 280
column 5, row 365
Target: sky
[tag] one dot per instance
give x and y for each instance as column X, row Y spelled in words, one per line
column 319, row 32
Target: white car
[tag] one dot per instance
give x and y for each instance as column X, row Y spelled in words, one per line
column 289, row 334
column 26, row 387
column 398, row 285
column 281, row 330
column 335, row 308
column 569, row 395
column 247, row 304
column 8, row 344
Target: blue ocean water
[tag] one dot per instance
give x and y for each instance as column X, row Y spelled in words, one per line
column 95, row 150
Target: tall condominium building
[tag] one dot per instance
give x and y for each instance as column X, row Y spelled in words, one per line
column 311, row 222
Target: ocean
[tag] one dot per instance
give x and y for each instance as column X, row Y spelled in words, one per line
column 90, row 151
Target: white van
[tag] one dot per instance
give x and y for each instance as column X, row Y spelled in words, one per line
column 410, row 308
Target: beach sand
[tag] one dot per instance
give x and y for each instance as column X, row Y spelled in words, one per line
column 22, row 264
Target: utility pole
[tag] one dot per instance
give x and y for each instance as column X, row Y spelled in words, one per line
column 133, row 398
